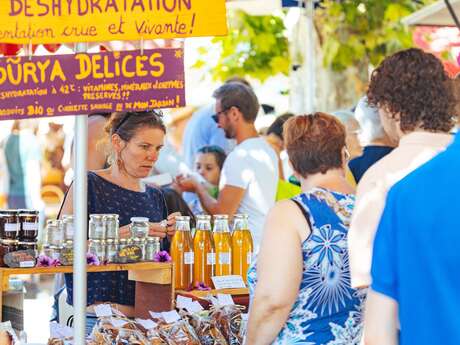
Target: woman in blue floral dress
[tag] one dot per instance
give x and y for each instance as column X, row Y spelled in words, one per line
column 300, row 282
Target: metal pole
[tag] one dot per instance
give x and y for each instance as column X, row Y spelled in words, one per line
column 80, row 205
column 310, row 61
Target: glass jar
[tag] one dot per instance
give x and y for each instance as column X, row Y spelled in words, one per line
column 46, row 250
column 123, row 242
column 55, row 252
column 68, row 227
column 97, row 248
column 7, row 246
column 54, row 233
column 29, row 225
column 27, row 245
column 111, row 249
column 67, row 254
column 112, row 226
column 139, row 242
column 10, row 225
column 139, row 227
column 152, row 247
column 97, row 229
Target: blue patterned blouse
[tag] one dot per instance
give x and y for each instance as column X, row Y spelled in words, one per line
column 327, row 310
column 106, row 197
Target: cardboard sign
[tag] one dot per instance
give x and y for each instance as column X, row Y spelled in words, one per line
column 88, row 83
column 61, row 21
column 228, row 282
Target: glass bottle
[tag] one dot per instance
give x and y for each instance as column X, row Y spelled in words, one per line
column 182, row 253
column 152, row 247
column 112, row 226
column 223, row 243
column 68, row 227
column 204, row 250
column 242, row 246
column 54, row 233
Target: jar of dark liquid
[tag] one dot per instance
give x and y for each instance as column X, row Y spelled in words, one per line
column 7, row 246
column 29, row 225
column 9, row 225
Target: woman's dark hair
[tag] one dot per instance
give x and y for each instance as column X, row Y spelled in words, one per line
column 127, row 123
column 314, row 143
column 277, row 126
column 413, row 85
column 218, row 153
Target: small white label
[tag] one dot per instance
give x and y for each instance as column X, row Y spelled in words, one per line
column 102, row 310
column 26, row 264
column 194, row 307
column 189, row 258
column 211, row 258
column 118, row 323
column 10, row 227
column 147, row 323
column 182, row 302
column 225, row 299
column 249, row 259
column 170, row 316
column 60, row 331
column 154, row 315
column 30, row 226
column 224, row 259
column 55, row 255
column 228, row 282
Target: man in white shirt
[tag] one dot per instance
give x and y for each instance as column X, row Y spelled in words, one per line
column 249, row 176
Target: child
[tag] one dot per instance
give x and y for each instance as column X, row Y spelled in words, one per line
column 208, row 164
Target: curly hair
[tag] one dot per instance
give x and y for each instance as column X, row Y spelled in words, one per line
column 314, row 143
column 413, row 85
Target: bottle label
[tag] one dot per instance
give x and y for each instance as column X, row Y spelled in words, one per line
column 211, row 258
column 189, row 258
column 10, row 227
column 249, row 259
column 224, row 259
column 30, row 226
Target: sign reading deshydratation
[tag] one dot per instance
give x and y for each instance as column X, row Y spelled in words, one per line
column 59, row 21
column 87, row 83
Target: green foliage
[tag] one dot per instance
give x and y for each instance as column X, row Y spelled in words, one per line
column 256, row 47
column 354, row 33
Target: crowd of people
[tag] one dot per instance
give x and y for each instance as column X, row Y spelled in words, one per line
column 352, row 213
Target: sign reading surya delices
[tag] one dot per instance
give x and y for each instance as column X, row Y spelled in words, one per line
column 87, row 83
column 60, row 21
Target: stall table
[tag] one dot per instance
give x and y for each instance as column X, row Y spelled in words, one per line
column 240, row 296
column 154, row 283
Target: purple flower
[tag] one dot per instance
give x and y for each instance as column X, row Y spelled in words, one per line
column 46, row 261
column 202, row 287
column 92, row 259
column 162, row 256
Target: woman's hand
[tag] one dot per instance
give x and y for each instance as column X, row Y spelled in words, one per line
column 158, row 230
column 125, row 231
column 171, row 221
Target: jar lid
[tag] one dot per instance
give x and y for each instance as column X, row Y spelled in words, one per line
column 109, row 241
column 203, row 217
column 114, row 216
column 137, row 240
column 220, row 216
column 32, row 212
column 54, row 222
column 139, row 219
column 123, row 240
column 10, row 242
column 153, row 239
column 67, row 217
column 8, row 212
column 55, row 247
column 96, row 241
column 96, row 216
column 26, row 242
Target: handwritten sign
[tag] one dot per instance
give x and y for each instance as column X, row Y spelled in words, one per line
column 60, row 21
column 228, row 282
column 87, row 83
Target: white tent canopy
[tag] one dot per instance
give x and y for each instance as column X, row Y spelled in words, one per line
column 436, row 14
column 255, row 7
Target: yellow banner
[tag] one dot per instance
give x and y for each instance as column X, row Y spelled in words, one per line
column 61, row 21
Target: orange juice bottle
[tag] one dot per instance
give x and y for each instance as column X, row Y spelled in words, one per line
column 242, row 246
column 182, row 253
column 205, row 253
column 223, row 243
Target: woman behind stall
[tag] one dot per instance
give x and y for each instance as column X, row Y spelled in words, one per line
column 301, row 279
column 135, row 139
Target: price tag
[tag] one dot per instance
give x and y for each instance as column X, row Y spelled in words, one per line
column 156, row 315
column 225, row 299
column 171, row 316
column 146, row 323
column 25, row 264
column 224, row 258
column 194, row 307
column 118, row 323
column 228, row 282
column 189, row 259
column 60, row 331
column 103, row 310
column 183, row 302
column 249, row 258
